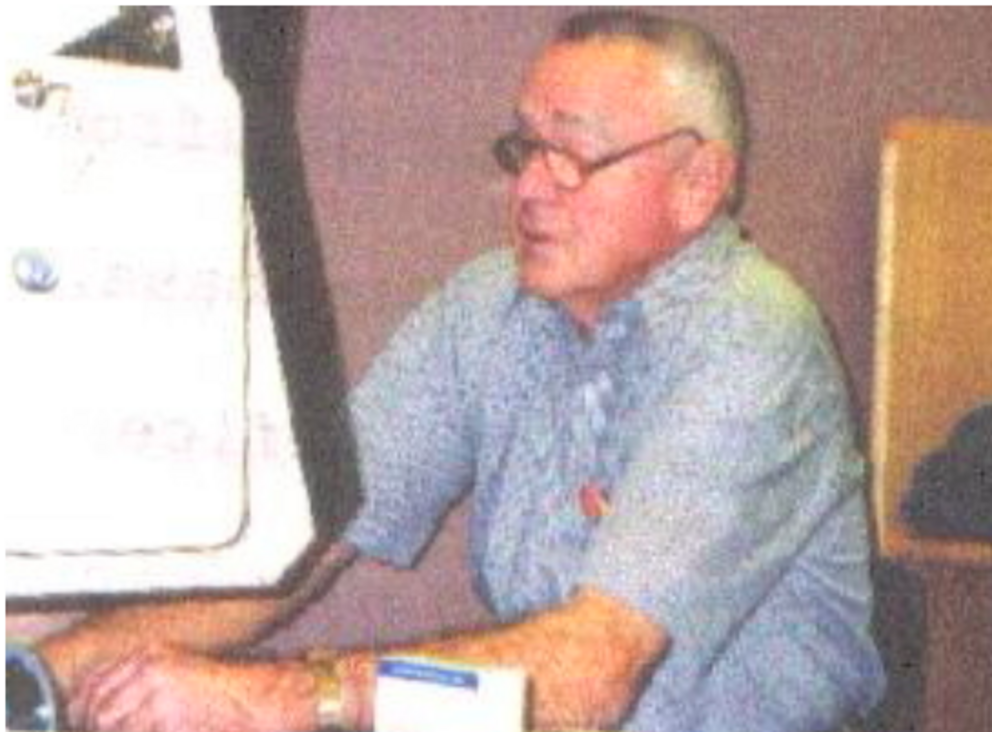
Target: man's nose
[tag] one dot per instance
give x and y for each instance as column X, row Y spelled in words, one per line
column 535, row 180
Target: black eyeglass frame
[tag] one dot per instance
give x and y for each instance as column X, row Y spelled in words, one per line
column 514, row 150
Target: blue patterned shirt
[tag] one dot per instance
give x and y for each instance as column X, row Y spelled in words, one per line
column 707, row 414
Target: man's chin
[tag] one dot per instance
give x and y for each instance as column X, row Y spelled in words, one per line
column 540, row 270
column 538, row 283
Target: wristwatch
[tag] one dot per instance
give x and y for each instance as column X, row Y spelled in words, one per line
column 322, row 664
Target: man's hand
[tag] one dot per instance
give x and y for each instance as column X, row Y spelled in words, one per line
column 164, row 689
column 207, row 625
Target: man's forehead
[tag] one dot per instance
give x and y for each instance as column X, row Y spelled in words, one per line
column 585, row 85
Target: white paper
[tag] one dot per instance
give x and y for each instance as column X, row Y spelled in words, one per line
column 422, row 695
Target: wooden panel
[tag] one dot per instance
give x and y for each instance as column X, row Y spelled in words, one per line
column 933, row 354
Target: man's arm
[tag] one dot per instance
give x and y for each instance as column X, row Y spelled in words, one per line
column 585, row 660
column 203, row 625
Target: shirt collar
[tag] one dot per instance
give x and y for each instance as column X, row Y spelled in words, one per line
column 686, row 278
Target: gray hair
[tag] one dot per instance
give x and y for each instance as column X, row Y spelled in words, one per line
column 701, row 72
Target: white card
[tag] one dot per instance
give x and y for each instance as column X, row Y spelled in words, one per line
column 424, row 695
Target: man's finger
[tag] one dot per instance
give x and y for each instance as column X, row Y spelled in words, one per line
column 98, row 687
column 127, row 711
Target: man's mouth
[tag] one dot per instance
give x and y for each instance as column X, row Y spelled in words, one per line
column 540, row 231
column 535, row 244
column 533, row 235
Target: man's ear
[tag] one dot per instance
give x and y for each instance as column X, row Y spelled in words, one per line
column 705, row 184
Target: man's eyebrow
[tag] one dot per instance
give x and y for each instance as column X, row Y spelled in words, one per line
column 566, row 121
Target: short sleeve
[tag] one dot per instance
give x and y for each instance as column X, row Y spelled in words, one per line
column 413, row 435
column 740, row 460
column 415, row 425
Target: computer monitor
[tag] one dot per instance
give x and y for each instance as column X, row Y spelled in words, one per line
column 157, row 403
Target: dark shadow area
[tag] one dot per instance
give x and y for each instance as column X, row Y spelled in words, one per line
column 900, row 629
column 261, row 49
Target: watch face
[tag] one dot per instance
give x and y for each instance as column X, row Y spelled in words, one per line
column 31, row 703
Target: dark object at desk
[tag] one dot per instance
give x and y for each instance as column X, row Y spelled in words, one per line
column 31, row 702
column 951, row 495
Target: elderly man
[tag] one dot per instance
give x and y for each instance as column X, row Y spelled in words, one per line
column 667, row 514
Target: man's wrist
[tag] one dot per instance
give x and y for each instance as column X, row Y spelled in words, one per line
column 328, row 688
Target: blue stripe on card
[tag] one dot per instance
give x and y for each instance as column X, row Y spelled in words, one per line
column 428, row 673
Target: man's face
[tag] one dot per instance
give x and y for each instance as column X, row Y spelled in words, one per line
column 589, row 247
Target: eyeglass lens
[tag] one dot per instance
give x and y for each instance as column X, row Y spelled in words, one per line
column 514, row 152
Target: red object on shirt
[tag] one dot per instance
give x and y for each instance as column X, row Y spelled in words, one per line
column 593, row 501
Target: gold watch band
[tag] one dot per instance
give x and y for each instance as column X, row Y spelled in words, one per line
column 322, row 664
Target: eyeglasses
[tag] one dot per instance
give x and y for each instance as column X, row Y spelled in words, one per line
column 514, row 151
